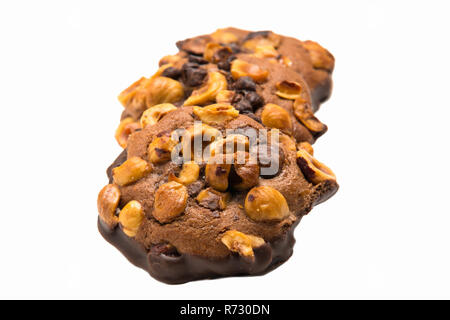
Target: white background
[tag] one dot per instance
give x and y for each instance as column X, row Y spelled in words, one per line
column 384, row 235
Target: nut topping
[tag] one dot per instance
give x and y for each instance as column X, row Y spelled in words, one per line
column 212, row 199
column 163, row 90
column 290, row 90
column 131, row 171
column 245, row 172
column 313, row 170
column 216, row 173
column 170, row 201
column 107, row 202
column 216, row 53
column 160, row 149
column 127, row 95
column 131, row 217
column 306, row 146
column 240, row 68
column 305, row 115
column 320, row 57
column 274, row 116
column 207, row 93
column 222, row 36
column 242, row 243
column 153, row 114
column 126, row 127
column 216, row 113
column 225, row 96
column 188, row 174
column 266, row 204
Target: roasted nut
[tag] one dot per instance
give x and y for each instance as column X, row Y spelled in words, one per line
column 160, row 149
column 127, row 95
column 194, row 45
column 266, row 204
column 216, row 82
column 274, row 116
column 131, row 217
column 229, row 145
column 306, row 146
column 126, row 127
column 245, row 173
column 290, row 90
column 285, row 61
column 107, row 202
column 241, row 243
column 240, row 68
column 200, row 133
column 215, row 53
column 131, row 171
column 217, row 171
column 163, row 90
column 266, row 51
column 320, row 57
column 287, row 142
column 170, row 201
column 254, row 43
column 222, row 36
column 188, row 174
column 216, row 113
column 212, row 199
column 169, row 59
column 313, row 170
column 153, row 114
column 225, row 96
column 305, row 115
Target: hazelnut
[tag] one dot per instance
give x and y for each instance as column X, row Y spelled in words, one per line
column 266, row 51
column 217, row 171
column 160, row 149
column 313, row 170
column 305, row 115
column 215, row 53
column 212, row 199
column 163, row 90
column 287, row 142
column 188, row 174
column 290, row 90
column 245, row 174
column 222, row 36
column 216, row 82
column 241, row 243
column 126, row 127
column 170, row 201
column 320, row 57
column 306, row 146
column 225, row 96
column 240, row 68
column 286, row 61
column 107, row 202
column 127, row 95
column 266, row 204
column 131, row 217
column 153, row 114
column 201, row 132
column 216, row 113
column 169, row 59
column 131, row 171
column 229, row 145
column 274, row 116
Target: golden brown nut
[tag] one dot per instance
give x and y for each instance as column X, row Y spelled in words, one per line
column 126, row 127
column 290, row 90
column 266, row 204
column 241, row 243
column 246, row 171
column 153, row 114
column 129, row 93
column 169, row 59
column 131, row 217
column 313, row 170
column 274, row 116
column 160, row 149
column 307, row 147
column 163, row 90
column 215, row 52
column 216, row 113
column 285, row 61
column 222, row 36
column 216, row 173
column 240, row 68
column 207, row 93
column 170, row 201
column 212, row 199
column 225, row 96
column 188, row 174
column 287, row 142
column 272, row 40
column 229, row 145
column 203, row 133
column 320, row 57
column 305, row 115
column 107, row 202
column 131, row 171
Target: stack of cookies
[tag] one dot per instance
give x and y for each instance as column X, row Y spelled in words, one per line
column 218, row 166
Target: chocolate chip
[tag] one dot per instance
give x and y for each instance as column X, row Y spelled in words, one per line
column 252, row 35
column 234, row 47
column 172, row 72
column 255, row 99
column 192, row 76
column 224, row 65
column 245, row 83
column 197, row 59
column 244, row 106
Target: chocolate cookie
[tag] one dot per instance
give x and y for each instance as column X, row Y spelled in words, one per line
column 263, row 75
column 207, row 192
